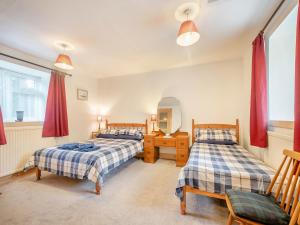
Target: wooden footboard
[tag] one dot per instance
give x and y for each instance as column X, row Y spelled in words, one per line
column 190, row 189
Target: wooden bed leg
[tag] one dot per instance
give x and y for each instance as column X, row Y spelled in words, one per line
column 38, row 173
column 230, row 219
column 183, row 202
column 98, row 188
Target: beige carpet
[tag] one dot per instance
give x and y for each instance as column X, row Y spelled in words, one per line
column 138, row 193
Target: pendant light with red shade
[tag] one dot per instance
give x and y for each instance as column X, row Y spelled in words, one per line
column 188, row 33
column 63, row 61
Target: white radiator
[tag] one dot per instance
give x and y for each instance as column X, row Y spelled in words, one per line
column 21, row 143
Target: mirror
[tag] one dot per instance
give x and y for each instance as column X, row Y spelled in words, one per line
column 169, row 115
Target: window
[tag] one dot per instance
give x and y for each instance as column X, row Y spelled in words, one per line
column 22, row 89
column 281, row 66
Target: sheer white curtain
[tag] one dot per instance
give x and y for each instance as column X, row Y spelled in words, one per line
column 23, row 92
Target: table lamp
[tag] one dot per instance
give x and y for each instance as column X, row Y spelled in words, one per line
column 99, row 119
column 153, row 120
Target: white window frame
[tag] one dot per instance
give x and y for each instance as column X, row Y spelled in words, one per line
column 275, row 23
column 24, row 123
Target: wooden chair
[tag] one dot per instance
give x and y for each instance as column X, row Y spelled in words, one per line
column 286, row 193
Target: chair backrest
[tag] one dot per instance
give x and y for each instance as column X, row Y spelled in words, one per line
column 287, row 189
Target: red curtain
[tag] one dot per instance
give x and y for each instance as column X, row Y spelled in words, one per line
column 258, row 108
column 2, row 134
column 297, row 88
column 56, row 117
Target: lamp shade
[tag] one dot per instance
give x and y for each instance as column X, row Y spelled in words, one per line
column 153, row 117
column 188, row 34
column 64, row 62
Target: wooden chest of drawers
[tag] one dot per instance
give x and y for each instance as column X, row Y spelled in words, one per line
column 152, row 143
column 150, row 151
column 182, row 150
column 94, row 134
column 165, row 142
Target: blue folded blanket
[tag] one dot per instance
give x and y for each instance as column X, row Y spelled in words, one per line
column 87, row 149
column 85, row 146
column 69, row 146
column 79, row 147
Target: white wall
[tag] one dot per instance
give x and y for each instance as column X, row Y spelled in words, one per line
column 208, row 93
column 23, row 141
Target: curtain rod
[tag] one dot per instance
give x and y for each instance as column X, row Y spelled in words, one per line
column 32, row 63
column 271, row 18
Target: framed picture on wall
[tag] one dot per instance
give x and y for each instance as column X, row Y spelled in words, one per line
column 82, row 95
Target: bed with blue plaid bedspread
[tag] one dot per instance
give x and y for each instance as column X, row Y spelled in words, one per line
column 217, row 168
column 93, row 165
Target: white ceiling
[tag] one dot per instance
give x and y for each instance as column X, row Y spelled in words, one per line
column 113, row 38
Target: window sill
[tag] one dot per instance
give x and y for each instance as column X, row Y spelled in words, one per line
column 23, row 124
column 276, row 134
column 281, row 124
column 281, row 129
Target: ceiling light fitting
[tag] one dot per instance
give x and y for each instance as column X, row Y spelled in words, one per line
column 63, row 61
column 188, row 33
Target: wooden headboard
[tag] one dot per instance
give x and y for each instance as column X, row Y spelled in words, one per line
column 235, row 127
column 123, row 125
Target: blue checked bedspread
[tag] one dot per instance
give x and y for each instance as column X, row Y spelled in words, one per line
column 217, row 168
column 92, row 165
